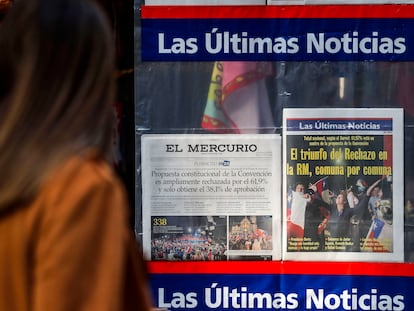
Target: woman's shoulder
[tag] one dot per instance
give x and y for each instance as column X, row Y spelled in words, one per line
column 88, row 166
column 82, row 174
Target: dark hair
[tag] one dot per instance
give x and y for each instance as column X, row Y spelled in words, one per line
column 56, row 57
column 344, row 195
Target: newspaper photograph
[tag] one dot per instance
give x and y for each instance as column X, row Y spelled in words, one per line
column 343, row 184
column 211, row 197
column 189, row 238
column 325, row 2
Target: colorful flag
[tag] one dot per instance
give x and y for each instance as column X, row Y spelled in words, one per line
column 379, row 237
column 237, row 100
column 376, row 228
column 319, row 185
column 290, row 199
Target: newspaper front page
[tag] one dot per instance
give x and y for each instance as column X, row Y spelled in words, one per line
column 205, row 2
column 343, row 184
column 211, row 197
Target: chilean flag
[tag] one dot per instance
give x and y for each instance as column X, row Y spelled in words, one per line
column 376, row 228
column 379, row 237
column 319, row 185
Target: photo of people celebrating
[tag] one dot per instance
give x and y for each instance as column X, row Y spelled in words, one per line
column 342, row 187
column 320, row 217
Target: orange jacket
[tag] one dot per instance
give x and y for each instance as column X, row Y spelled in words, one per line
column 71, row 248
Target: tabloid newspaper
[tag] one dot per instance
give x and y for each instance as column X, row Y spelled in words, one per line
column 211, row 197
column 343, row 184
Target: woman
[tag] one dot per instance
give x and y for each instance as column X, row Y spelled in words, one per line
column 340, row 219
column 64, row 237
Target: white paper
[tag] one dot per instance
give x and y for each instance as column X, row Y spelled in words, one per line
column 211, row 197
column 285, row 2
column 349, row 163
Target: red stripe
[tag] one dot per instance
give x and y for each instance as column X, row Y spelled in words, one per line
column 281, row 11
column 388, row 150
column 282, row 267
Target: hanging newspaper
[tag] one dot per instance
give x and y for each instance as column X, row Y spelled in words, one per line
column 211, row 197
column 343, row 184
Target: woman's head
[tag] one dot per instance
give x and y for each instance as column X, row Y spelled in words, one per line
column 58, row 58
column 341, row 199
column 56, row 62
column 300, row 188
